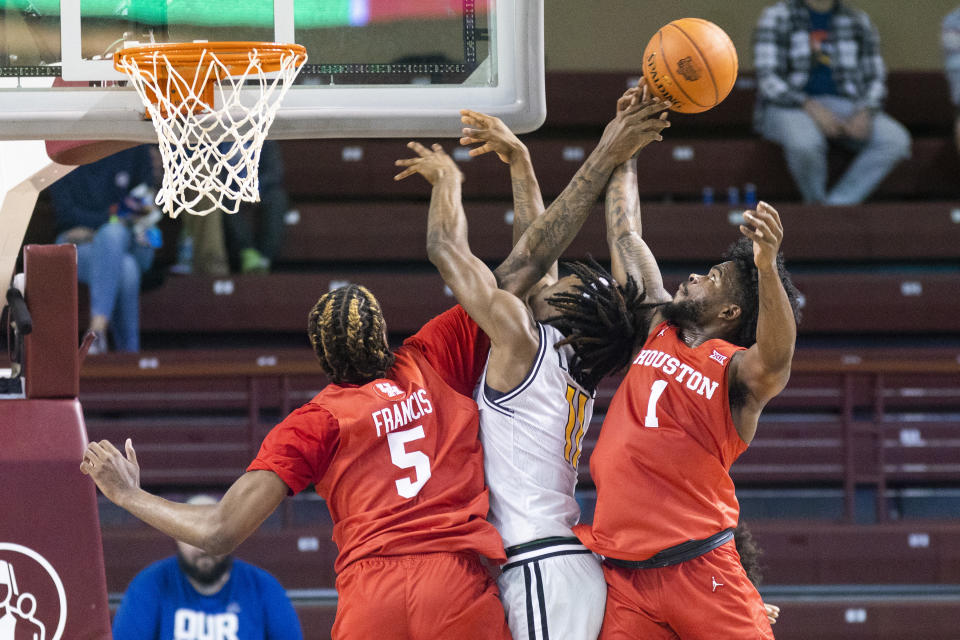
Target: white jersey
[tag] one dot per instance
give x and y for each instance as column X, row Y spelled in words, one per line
column 531, row 445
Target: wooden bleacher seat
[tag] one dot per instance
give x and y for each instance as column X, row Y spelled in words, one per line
column 678, row 168
column 195, row 417
column 842, row 616
column 388, row 231
column 864, row 301
column 582, row 99
column 717, row 148
column 179, row 451
column 920, row 552
column 795, row 553
column 800, row 440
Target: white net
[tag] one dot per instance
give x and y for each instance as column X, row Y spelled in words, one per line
column 211, row 120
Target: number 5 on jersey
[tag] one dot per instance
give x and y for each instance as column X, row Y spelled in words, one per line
column 404, row 459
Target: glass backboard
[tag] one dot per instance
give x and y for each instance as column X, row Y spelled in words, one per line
column 376, row 67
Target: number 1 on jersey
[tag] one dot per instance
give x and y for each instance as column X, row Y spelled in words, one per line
column 656, row 390
column 406, row 459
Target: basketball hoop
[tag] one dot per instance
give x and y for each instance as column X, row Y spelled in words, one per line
column 210, row 139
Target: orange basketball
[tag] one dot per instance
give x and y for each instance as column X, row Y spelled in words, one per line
column 692, row 63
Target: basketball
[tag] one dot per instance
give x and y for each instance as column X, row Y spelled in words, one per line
column 692, row 63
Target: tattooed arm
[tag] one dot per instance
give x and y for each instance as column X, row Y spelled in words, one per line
column 549, row 235
column 514, row 337
column 629, row 254
column 489, row 133
column 527, row 200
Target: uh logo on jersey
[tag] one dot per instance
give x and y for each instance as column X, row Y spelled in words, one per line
column 388, row 391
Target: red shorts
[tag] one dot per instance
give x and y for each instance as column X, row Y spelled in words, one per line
column 708, row 597
column 429, row 596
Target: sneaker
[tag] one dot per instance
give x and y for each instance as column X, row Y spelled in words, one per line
column 252, row 261
column 99, row 344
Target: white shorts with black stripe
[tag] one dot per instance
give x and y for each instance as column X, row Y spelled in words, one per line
column 555, row 592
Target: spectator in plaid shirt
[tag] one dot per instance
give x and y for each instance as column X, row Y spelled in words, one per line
column 951, row 49
column 820, row 80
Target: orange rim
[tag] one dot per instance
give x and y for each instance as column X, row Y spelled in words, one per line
column 187, row 60
column 233, row 55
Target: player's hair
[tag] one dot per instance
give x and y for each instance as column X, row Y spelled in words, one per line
column 746, row 291
column 600, row 319
column 749, row 553
column 345, row 328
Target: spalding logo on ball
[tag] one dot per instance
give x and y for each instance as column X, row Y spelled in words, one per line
column 692, row 63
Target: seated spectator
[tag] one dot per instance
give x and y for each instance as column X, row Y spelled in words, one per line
column 106, row 209
column 195, row 595
column 821, row 80
column 219, row 242
column 254, row 253
column 950, row 36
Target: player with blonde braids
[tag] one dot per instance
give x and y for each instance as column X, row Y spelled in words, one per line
column 369, row 442
column 349, row 335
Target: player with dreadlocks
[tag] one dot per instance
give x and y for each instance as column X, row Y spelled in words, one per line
column 716, row 353
column 550, row 346
column 392, row 445
column 599, row 319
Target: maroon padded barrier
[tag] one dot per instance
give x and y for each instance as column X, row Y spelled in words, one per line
column 51, row 362
column 50, row 530
column 51, row 557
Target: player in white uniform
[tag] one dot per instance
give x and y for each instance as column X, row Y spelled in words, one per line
column 536, row 393
column 551, row 585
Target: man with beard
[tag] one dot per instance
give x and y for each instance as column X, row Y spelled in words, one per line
column 716, row 353
column 196, row 596
column 391, row 445
column 550, row 345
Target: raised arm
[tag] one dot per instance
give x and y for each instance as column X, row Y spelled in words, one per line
column 217, row 528
column 501, row 315
column 549, row 235
column 491, row 134
column 764, row 369
column 629, row 254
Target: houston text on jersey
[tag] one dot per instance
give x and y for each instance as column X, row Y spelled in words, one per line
column 695, row 380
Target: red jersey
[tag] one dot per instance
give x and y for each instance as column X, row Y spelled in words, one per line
column 398, row 459
column 662, row 461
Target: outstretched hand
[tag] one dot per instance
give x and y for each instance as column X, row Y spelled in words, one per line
column 433, row 164
column 762, row 225
column 490, row 134
column 115, row 474
column 640, row 119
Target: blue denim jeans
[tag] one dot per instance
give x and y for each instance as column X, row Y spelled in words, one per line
column 111, row 265
column 805, row 148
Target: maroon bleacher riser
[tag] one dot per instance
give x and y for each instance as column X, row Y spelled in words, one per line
column 895, row 300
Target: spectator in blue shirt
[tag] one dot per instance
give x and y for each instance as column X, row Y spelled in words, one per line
column 196, row 596
column 821, row 80
column 106, row 209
